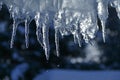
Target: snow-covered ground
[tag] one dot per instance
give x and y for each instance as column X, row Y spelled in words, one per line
column 78, row 75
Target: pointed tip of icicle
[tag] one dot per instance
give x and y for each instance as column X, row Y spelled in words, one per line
column 103, row 30
column 27, row 45
column 79, row 44
column 47, row 54
column 11, row 46
column 47, row 57
column 58, row 55
column 104, row 40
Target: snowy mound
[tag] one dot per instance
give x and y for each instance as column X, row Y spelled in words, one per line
column 78, row 75
column 76, row 17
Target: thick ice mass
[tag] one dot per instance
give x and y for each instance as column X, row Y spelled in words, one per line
column 76, row 17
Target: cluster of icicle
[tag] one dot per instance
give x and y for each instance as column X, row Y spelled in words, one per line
column 76, row 17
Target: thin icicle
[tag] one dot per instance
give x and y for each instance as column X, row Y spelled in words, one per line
column 79, row 39
column 57, row 41
column 26, row 33
column 103, row 30
column 38, row 29
column 77, row 32
column 45, row 30
column 46, row 40
column 75, row 39
column 75, row 36
column 57, row 25
column 15, row 25
column 28, row 20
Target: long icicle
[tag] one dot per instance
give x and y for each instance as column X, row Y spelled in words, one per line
column 45, row 30
column 15, row 25
column 27, row 33
column 38, row 29
column 46, row 40
column 103, row 14
column 57, row 41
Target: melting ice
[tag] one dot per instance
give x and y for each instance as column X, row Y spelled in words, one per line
column 76, row 17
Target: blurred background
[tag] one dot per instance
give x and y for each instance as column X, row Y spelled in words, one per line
column 20, row 63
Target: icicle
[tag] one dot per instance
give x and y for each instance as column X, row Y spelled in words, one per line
column 103, row 30
column 46, row 40
column 57, row 41
column 78, row 36
column 38, row 29
column 57, row 25
column 75, row 39
column 103, row 14
column 27, row 23
column 26, row 33
column 45, row 30
column 77, row 31
column 15, row 25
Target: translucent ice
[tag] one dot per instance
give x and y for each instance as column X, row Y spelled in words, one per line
column 76, row 17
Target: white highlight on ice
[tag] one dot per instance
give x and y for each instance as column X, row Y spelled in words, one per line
column 76, row 17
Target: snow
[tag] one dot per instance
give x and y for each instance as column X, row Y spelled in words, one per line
column 78, row 75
